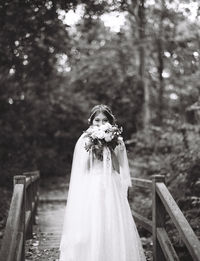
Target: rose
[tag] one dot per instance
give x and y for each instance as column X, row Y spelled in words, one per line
column 108, row 136
column 92, row 129
column 99, row 134
column 106, row 126
column 88, row 143
column 120, row 139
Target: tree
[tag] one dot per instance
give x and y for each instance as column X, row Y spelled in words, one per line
column 104, row 71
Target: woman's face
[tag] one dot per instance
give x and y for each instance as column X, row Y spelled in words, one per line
column 99, row 119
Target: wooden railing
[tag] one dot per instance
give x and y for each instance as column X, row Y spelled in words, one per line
column 162, row 204
column 21, row 217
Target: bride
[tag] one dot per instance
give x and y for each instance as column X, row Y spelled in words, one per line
column 98, row 225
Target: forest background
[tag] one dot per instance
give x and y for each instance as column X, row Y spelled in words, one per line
column 51, row 74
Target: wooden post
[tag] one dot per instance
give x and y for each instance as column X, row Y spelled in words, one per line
column 29, row 200
column 36, row 194
column 37, row 184
column 158, row 218
column 35, row 199
column 22, row 180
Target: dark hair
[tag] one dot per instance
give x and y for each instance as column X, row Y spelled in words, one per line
column 103, row 109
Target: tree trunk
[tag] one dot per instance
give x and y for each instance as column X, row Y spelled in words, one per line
column 142, row 55
column 160, row 67
column 161, row 88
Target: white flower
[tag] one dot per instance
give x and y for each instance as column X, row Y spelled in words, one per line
column 94, row 128
column 98, row 134
column 94, row 134
column 108, row 136
column 87, row 142
column 91, row 129
column 120, row 140
column 106, row 126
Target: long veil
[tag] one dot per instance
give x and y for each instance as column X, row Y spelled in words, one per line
column 82, row 166
column 72, row 217
column 124, row 170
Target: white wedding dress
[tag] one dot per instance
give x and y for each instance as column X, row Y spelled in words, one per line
column 98, row 224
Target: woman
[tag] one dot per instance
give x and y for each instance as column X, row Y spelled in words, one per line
column 98, row 225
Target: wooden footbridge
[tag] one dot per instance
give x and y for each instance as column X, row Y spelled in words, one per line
column 24, row 207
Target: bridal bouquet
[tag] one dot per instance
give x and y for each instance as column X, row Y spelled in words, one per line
column 104, row 135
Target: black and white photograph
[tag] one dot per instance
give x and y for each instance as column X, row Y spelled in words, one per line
column 99, row 130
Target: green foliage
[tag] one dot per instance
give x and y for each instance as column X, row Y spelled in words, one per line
column 166, row 153
column 44, row 110
column 32, row 111
column 103, row 72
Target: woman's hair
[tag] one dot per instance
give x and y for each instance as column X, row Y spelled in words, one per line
column 101, row 108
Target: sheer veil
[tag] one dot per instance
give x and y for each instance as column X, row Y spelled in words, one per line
column 72, row 217
column 82, row 166
column 124, row 170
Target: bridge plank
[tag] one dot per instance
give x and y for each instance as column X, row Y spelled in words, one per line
column 51, row 217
